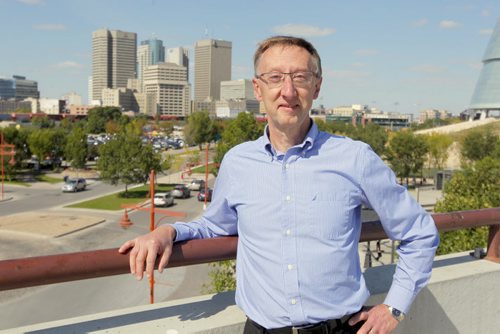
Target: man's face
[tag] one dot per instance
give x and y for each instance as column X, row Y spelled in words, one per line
column 287, row 106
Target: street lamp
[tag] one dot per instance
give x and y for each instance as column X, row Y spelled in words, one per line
column 6, row 150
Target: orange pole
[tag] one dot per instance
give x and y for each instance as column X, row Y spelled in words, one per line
column 152, row 194
column 206, row 176
column 151, row 228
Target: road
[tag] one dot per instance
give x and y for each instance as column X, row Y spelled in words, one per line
column 40, row 304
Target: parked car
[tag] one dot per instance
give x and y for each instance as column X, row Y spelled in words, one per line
column 163, row 199
column 181, row 191
column 74, row 185
column 196, row 185
column 201, row 195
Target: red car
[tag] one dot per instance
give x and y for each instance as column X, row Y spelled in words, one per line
column 201, row 195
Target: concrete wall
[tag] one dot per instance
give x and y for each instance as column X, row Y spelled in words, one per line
column 462, row 297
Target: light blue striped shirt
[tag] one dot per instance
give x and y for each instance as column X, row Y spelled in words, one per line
column 298, row 217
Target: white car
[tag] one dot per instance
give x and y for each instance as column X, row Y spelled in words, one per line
column 196, row 185
column 163, row 199
column 74, row 185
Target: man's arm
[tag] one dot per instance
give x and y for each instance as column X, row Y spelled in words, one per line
column 218, row 220
column 146, row 248
column 402, row 219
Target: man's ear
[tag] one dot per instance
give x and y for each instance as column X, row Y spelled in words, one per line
column 256, row 90
column 317, row 88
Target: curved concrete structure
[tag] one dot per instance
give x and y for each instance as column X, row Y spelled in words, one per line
column 487, row 93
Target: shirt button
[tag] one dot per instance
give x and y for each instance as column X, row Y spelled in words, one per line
column 288, row 198
column 290, row 266
column 293, row 301
column 288, row 232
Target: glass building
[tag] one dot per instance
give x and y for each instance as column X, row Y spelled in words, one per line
column 487, row 93
column 18, row 88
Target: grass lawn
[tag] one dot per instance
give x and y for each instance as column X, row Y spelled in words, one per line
column 48, row 179
column 114, row 201
column 201, row 169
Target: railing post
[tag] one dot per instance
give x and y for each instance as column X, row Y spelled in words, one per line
column 493, row 253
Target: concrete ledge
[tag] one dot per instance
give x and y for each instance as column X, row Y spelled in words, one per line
column 462, row 297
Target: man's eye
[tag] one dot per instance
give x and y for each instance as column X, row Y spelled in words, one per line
column 274, row 77
column 300, row 77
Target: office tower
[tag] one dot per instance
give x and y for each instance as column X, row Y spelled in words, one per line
column 487, row 93
column 168, row 83
column 72, row 99
column 114, row 54
column 178, row 56
column 212, row 66
column 18, row 88
column 237, row 90
column 150, row 52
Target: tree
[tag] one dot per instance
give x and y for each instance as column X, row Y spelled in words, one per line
column 47, row 143
column 42, row 122
column 479, row 144
column 477, row 186
column 98, row 117
column 406, row 153
column 124, row 159
column 243, row 128
column 372, row 134
column 199, row 129
column 438, row 144
column 76, row 150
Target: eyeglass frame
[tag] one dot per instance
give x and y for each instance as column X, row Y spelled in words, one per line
column 283, row 76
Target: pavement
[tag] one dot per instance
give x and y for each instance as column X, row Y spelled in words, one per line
column 62, row 221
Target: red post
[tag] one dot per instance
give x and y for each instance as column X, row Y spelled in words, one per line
column 151, row 228
column 493, row 252
column 9, row 152
column 206, row 176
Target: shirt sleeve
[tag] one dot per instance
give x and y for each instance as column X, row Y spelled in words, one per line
column 405, row 220
column 219, row 219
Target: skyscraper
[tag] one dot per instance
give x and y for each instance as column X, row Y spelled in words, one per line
column 178, row 56
column 212, row 65
column 114, row 55
column 150, row 52
column 168, row 85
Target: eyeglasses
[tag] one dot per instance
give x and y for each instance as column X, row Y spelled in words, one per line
column 275, row 79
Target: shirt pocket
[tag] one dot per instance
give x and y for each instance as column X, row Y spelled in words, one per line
column 328, row 213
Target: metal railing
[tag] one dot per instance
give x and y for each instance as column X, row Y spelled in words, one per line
column 34, row 271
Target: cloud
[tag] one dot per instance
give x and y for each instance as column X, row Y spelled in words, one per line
column 420, row 23
column 302, row 30
column 485, row 31
column 49, row 27
column 448, row 24
column 68, row 64
column 31, row 2
column 429, row 69
column 366, row 52
column 485, row 12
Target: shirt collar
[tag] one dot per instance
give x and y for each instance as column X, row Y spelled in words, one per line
column 306, row 144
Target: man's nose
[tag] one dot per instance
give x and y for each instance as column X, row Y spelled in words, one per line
column 287, row 87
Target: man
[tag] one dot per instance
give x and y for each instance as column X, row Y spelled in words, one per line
column 294, row 197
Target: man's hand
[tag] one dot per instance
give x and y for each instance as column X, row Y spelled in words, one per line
column 146, row 248
column 378, row 320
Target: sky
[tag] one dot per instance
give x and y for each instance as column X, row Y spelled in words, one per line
column 396, row 55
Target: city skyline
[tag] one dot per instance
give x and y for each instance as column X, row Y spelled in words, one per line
column 396, row 57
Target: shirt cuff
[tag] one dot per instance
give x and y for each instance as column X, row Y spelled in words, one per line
column 183, row 232
column 400, row 298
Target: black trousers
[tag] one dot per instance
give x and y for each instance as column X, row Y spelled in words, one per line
column 334, row 326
